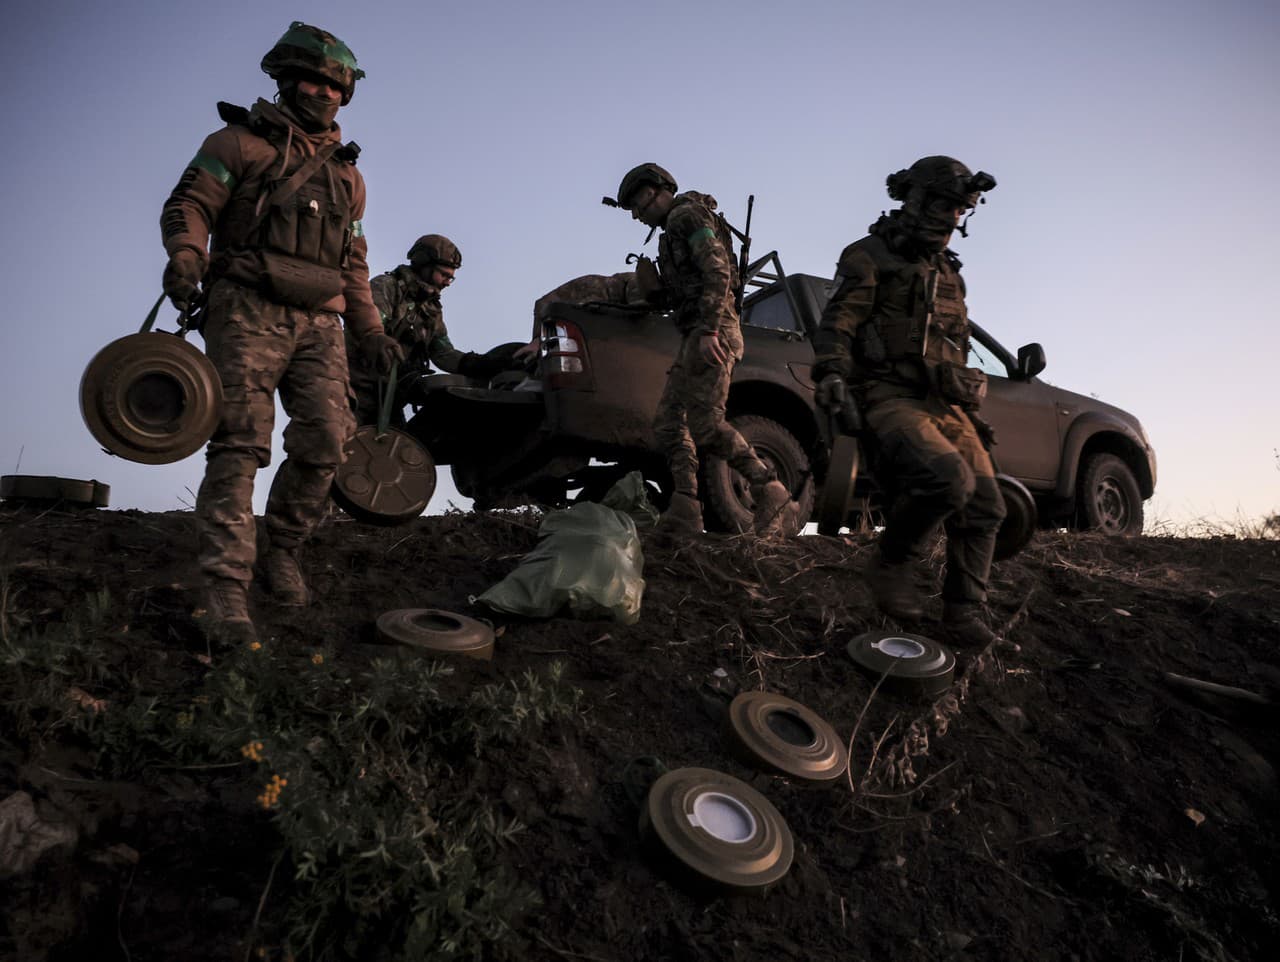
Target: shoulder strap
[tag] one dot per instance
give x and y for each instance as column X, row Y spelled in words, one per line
column 290, row 187
column 231, row 114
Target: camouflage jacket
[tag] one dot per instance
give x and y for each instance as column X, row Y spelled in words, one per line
column 412, row 314
column 215, row 202
column 894, row 312
column 695, row 259
column 605, row 288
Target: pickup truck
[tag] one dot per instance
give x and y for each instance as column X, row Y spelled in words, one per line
column 602, row 368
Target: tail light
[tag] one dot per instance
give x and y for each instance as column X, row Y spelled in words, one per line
column 564, row 361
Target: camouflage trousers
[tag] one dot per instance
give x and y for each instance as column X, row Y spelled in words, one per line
column 259, row 347
column 691, row 416
column 936, row 471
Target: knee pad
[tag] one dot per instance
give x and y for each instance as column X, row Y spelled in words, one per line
column 947, row 478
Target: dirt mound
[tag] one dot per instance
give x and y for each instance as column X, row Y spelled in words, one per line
column 1065, row 799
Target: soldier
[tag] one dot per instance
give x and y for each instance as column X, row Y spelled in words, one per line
column 266, row 218
column 699, row 277
column 618, row 288
column 408, row 298
column 896, row 334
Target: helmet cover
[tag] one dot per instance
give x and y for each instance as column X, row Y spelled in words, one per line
column 637, row 177
column 307, row 50
column 432, row 249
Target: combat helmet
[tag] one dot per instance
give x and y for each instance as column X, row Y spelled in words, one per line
column 637, row 177
column 305, row 49
column 939, row 176
column 432, row 249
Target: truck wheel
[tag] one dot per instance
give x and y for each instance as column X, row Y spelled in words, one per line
column 725, row 492
column 1109, row 499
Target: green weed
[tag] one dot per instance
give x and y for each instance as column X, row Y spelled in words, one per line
column 362, row 768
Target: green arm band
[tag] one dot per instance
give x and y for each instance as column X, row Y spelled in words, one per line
column 357, row 228
column 215, row 168
column 700, row 237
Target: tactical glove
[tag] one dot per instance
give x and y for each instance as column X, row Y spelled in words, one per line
column 381, row 350
column 831, row 394
column 483, row 367
column 182, row 276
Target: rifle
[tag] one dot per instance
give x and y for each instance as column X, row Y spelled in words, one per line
column 744, row 254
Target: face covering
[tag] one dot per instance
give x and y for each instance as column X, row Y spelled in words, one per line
column 930, row 223
column 316, row 113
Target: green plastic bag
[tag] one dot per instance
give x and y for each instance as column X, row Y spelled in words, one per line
column 628, row 495
column 588, row 559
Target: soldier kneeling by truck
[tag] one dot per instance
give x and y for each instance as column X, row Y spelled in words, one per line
column 408, row 298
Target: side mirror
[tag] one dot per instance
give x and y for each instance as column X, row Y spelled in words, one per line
column 1030, row 361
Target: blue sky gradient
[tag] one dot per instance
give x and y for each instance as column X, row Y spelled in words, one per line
column 1133, row 232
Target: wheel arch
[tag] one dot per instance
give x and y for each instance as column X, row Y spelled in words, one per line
column 781, row 405
column 1098, row 434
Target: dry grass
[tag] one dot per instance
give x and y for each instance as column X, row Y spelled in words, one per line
column 1240, row 527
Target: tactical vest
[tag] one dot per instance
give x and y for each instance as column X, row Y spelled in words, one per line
column 919, row 314
column 304, row 235
column 417, row 315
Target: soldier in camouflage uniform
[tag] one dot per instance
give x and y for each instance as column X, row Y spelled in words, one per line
column 408, row 298
column 618, row 288
column 699, row 276
column 896, row 334
column 266, row 218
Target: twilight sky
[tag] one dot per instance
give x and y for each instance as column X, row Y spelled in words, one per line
column 1133, row 231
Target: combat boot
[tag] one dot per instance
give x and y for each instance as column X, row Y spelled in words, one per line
column 683, row 516
column 225, row 614
column 769, row 516
column 964, row 626
column 894, row 589
column 284, row 577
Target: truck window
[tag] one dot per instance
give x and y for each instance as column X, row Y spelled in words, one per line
column 771, row 311
column 983, row 357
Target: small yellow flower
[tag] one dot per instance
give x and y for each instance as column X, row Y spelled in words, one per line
column 317, row 659
column 255, row 646
column 271, row 791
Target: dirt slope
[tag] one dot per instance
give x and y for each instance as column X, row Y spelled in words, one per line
column 1062, row 801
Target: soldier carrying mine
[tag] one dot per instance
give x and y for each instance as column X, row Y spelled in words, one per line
column 266, row 218
column 896, row 334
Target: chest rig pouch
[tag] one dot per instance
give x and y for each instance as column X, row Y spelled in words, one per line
column 898, row 329
column 957, row 384
column 305, row 234
column 947, row 346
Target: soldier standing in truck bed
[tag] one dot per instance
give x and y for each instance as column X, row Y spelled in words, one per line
column 896, row 334
column 266, row 218
column 698, row 273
